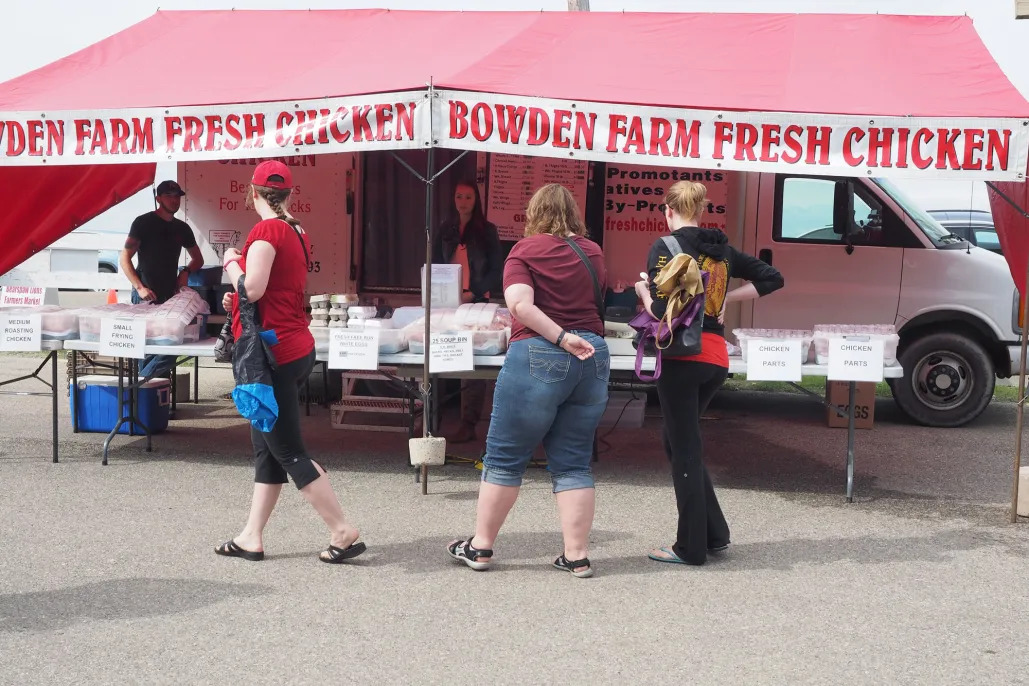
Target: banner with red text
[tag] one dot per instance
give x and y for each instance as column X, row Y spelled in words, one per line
column 389, row 121
column 820, row 144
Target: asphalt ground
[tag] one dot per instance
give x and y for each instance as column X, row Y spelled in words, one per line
column 108, row 576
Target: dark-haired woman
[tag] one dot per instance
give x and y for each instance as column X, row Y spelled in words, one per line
column 273, row 270
column 467, row 239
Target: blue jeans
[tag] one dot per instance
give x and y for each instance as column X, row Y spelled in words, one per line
column 545, row 395
column 153, row 365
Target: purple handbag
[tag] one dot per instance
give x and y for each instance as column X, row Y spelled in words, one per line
column 681, row 339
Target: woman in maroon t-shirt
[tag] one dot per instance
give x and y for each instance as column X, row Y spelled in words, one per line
column 273, row 270
column 552, row 388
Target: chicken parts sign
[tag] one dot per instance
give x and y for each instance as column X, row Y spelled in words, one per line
column 821, row 144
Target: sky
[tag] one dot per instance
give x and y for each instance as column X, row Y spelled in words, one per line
column 46, row 30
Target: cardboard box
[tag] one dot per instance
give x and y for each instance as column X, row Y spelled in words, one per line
column 838, row 393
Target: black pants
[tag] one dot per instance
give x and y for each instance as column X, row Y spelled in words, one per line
column 281, row 451
column 685, row 389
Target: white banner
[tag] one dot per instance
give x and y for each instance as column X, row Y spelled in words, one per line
column 820, row 144
column 385, row 121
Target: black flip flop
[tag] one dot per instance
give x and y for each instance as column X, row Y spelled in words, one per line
column 231, row 549
column 339, row 555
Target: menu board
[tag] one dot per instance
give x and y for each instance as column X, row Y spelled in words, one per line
column 514, row 178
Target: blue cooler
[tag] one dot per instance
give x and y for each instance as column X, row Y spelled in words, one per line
column 97, row 396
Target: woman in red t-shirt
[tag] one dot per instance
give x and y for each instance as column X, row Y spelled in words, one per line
column 273, row 270
column 687, row 384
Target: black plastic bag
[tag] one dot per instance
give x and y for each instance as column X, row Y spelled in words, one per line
column 252, row 365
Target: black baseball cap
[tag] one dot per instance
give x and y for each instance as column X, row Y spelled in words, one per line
column 168, row 188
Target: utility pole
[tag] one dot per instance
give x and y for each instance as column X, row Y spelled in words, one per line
column 578, row 5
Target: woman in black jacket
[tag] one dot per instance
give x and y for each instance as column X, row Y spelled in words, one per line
column 467, row 239
column 687, row 384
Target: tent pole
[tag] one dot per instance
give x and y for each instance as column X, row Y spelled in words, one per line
column 1021, row 400
column 426, row 389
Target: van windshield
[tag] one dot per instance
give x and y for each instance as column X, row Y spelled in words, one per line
column 930, row 227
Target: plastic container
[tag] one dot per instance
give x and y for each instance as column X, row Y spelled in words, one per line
column 321, row 334
column 391, row 341
column 96, row 400
column 805, row 337
column 887, row 333
column 361, row 312
column 490, row 342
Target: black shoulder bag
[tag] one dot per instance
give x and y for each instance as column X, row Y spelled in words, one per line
column 597, row 294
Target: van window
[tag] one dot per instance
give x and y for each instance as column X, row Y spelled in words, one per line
column 987, row 239
column 804, row 214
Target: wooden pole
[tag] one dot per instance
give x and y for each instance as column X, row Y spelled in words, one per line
column 578, row 5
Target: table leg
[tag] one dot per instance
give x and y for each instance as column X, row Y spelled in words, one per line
column 196, row 380
column 174, row 385
column 53, row 398
column 121, row 412
column 850, row 444
column 325, row 385
column 74, row 389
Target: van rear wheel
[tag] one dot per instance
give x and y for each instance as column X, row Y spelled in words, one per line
column 948, row 380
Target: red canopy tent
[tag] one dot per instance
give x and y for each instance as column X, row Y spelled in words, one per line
column 867, row 65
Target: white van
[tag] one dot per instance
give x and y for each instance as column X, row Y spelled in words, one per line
column 858, row 251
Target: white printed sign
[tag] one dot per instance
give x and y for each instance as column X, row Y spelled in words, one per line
column 855, row 358
column 774, row 360
column 27, row 296
column 122, row 337
column 20, row 332
column 450, row 352
column 354, row 349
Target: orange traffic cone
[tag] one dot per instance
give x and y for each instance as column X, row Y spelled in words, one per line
column 112, row 296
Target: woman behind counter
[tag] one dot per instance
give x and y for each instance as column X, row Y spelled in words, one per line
column 467, row 239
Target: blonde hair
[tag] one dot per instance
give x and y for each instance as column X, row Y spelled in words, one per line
column 687, row 199
column 552, row 210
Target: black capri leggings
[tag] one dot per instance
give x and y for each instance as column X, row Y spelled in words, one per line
column 281, row 452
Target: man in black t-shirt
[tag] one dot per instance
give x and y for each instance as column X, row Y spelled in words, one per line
column 158, row 238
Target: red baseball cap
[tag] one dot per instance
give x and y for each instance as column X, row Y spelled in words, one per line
column 273, row 174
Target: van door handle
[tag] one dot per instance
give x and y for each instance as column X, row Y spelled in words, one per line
column 765, row 255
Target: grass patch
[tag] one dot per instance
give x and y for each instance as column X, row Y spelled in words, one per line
column 1002, row 394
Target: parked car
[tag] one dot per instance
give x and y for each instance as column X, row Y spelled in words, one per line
column 974, row 226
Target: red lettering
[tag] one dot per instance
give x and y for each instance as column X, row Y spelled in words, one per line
column 192, row 132
column 282, row 138
column 998, row 144
column 946, row 149
column 304, row 133
column 338, row 134
column 99, row 138
column 853, row 136
column 509, row 122
column 405, row 121
column 383, row 116
column 539, row 127
column 635, row 137
column 660, row 133
column 616, row 128
column 458, row 119
column 973, row 144
column 769, row 137
column 213, row 126
column 818, row 141
column 562, row 122
column 481, row 119
column 254, row 129
column 584, row 129
column 723, row 135
column 880, row 147
column 120, row 133
column 362, row 127
column 55, row 136
column 142, row 135
column 172, row 129
column 791, row 139
column 82, row 132
column 15, row 139
column 35, row 136
column 922, row 137
column 902, row 147
column 234, row 137
column 746, row 141
column 687, row 141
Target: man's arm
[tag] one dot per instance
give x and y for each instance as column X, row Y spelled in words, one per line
column 196, row 261
column 125, row 261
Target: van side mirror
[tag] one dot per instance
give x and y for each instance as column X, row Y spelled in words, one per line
column 843, row 209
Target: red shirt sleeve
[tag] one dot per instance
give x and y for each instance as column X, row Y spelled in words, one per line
column 516, row 271
column 268, row 230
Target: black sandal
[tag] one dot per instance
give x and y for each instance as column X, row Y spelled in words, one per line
column 571, row 565
column 231, row 549
column 340, row 555
column 464, row 552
